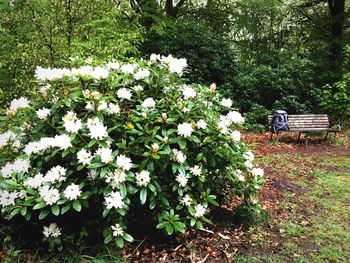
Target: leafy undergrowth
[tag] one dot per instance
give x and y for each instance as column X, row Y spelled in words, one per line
column 306, row 198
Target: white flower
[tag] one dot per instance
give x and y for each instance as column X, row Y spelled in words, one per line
column 44, row 74
column 212, row 87
column 100, row 73
column 248, row 164
column 124, row 162
column 128, row 68
column 258, row 172
column 84, row 157
column 201, row 124
column 105, row 154
column 96, row 129
column 116, row 178
column 226, row 103
column 89, row 106
column 235, row 136
column 184, row 129
column 123, row 93
column 199, row 210
column 182, row 180
column 175, row 65
column 189, row 93
column 16, row 104
column 52, row 230
column 102, row 106
column 89, row 60
column 179, row 156
column 149, row 103
column 72, row 192
column 223, row 124
column 141, row 74
column 35, row 182
column 248, row 155
column 55, row 174
column 143, row 178
column 137, row 88
column 8, row 198
column 71, row 122
column 117, row 230
column 83, row 71
column 196, row 170
column 113, row 65
column 96, row 95
column 19, row 165
column 113, row 108
column 186, row 200
column 155, row 147
column 154, row 57
column 115, row 200
column 43, row 113
column 61, row 141
column 6, row 137
column 240, row 175
column 235, row 117
column 49, row 195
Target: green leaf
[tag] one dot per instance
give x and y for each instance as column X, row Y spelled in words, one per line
column 169, row 229
column 120, row 242
column 108, row 239
column 182, row 143
column 180, row 226
column 127, row 237
column 23, row 211
column 55, row 209
column 152, row 188
column 143, row 195
column 65, row 209
column 162, row 224
column 123, row 190
column 39, row 206
column 92, row 143
column 77, row 206
column 44, row 213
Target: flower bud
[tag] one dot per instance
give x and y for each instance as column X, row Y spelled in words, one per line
column 155, row 147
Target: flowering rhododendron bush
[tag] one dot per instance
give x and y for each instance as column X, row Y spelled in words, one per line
column 106, row 142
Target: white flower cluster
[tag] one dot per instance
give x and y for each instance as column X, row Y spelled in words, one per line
column 62, row 142
column 50, row 195
column 71, row 123
column 180, row 157
column 182, row 180
column 16, row 104
column 52, row 230
column 143, row 178
column 43, row 113
column 17, row 166
column 84, row 157
column 231, row 117
column 8, row 198
column 226, row 103
column 199, row 210
column 124, row 93
column 44, row 74
column 196, row 170
column 105, row 155
column 188, row 93
column 96, row 129
column 6, row 138
column 186, row 200
column 249, row 158
column 124, row 162
column 72, row 192
column 149, row 103
column 201, row 124
column 115, row 200
column 117, row 230
column 184, row 129
column 55, row 174
column 116, row 178
column 141, row 74
column 174, row 65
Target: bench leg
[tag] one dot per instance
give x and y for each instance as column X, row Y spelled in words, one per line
column 299, row 136
column 271, row 136
column 326, row 136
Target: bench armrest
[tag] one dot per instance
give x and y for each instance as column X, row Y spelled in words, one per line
column 335, row 126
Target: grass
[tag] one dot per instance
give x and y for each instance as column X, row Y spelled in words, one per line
column 317, row 227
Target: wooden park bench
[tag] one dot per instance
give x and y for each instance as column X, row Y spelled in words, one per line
column 306, row 124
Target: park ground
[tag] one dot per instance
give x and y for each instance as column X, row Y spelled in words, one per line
column 305, row 218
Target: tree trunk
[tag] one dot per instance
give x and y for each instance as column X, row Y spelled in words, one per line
column 337, row 9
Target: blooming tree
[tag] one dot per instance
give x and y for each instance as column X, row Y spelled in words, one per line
column 118, row 137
